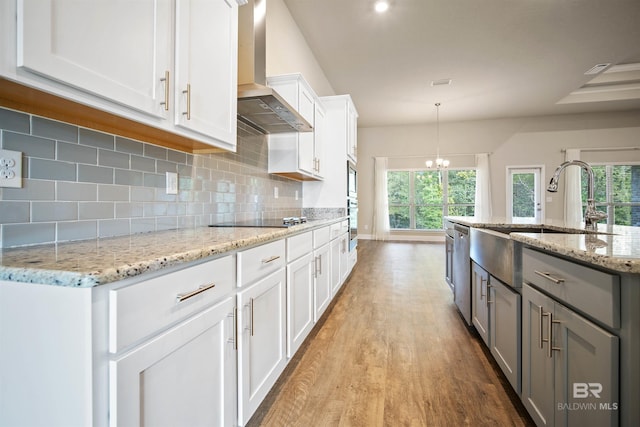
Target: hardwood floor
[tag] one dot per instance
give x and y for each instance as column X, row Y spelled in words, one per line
column 392, row 350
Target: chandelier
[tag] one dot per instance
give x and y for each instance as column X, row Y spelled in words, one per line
column 440, row 163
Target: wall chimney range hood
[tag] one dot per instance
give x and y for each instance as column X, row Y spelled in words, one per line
column 259, row 106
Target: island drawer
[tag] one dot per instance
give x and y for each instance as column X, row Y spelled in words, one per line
column 142, row 309
column 596, row 293
column 299, row 245
column 259, row 262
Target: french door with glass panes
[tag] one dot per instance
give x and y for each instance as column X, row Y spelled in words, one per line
column 524, row 197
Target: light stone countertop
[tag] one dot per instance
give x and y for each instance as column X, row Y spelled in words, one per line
column 96, row 262
column 615, row 247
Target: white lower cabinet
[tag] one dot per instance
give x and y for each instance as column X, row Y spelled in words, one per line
column 322, row 284
column 185, row 376
column 336, row 250
column 300, row 311
column 344, row 258
column 261, row 341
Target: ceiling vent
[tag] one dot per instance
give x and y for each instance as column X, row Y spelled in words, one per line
column 441, row 82
column 596, row 69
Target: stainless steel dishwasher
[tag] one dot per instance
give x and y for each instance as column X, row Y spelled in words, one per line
column 462, row 271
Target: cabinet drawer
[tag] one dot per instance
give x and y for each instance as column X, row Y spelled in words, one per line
column 339, row 228
column 260, row 261
column 591, row 291
column 299, row 245
column 142, row 309
column 321, row 236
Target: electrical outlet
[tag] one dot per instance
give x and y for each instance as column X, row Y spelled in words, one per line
column 10, row 169
column 296, row 194
column 172, row 183
column 275, row 192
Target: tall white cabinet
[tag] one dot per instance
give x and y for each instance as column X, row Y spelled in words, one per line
column 170, row 64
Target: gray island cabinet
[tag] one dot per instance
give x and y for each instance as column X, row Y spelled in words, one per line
column 560, row 311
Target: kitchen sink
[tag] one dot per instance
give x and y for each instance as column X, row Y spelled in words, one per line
column 535, row 229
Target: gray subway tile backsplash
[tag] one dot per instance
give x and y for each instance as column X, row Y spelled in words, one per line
column 52, row 169
column 31, row 146
column 97, row 174
column 84, row 184
column 96, row 139
column 54, row 130
column 14, row 121
column 113, row 159
column 77, row 153
column 54, row 211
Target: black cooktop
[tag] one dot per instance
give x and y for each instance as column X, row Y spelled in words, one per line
column 263, row 223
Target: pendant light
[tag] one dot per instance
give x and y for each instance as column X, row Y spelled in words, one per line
column 440, row 163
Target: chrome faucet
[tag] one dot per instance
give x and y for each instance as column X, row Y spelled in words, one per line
column 591, row 215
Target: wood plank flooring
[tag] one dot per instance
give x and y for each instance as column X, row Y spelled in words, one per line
column 392, row 350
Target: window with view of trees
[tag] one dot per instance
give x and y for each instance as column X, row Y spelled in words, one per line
column 420, row 199
column 617, row 192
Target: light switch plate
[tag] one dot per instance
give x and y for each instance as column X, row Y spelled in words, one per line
column 10, row 169
column 172, row 183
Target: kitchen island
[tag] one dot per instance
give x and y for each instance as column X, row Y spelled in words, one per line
column 107, row 331
column 574, row 301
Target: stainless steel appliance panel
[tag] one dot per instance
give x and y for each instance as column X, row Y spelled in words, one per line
column 462, row 271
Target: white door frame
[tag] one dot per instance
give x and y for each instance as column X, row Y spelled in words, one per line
column 536, row 169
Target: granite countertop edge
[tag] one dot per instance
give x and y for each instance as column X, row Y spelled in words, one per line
column 189, row 252
column 614, row 248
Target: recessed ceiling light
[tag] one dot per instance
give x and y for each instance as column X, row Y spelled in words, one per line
column 381, row 6
column 596, row 69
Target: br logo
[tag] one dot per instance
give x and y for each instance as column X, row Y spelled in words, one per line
column 584, row 390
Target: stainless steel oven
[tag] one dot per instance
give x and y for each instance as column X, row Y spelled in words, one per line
column 352, row 213
column 352, row 181
column 352, row 204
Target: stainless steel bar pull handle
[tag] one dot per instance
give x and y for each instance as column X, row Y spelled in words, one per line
column 270, row 259
column 188, row 92
column 235, row 328
column 183, row 297
column 251, row 320
column 548, row 276
column 550, row 323
column 482, row 295
column 166, row 90
column 541, row 315
column 489, row 294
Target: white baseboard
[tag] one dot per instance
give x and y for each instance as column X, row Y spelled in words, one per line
column 407, row 238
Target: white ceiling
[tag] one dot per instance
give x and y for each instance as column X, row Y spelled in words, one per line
column 506, row 58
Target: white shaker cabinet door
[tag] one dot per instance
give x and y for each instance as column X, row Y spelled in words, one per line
column 261, row 341
column 323, row 275
column 206, row 67
column 118, row 50
column 185, row 376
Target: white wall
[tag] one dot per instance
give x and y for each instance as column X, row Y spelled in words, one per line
column 511, row 142
column 288, row 52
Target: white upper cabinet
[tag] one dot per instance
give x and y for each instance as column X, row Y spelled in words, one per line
column 118, row 50
column 352, row 131
column 206, row 67
column 298, row 155
column 169, row 64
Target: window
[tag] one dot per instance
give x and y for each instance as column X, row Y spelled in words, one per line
column 418, row 200
column 617, row 191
